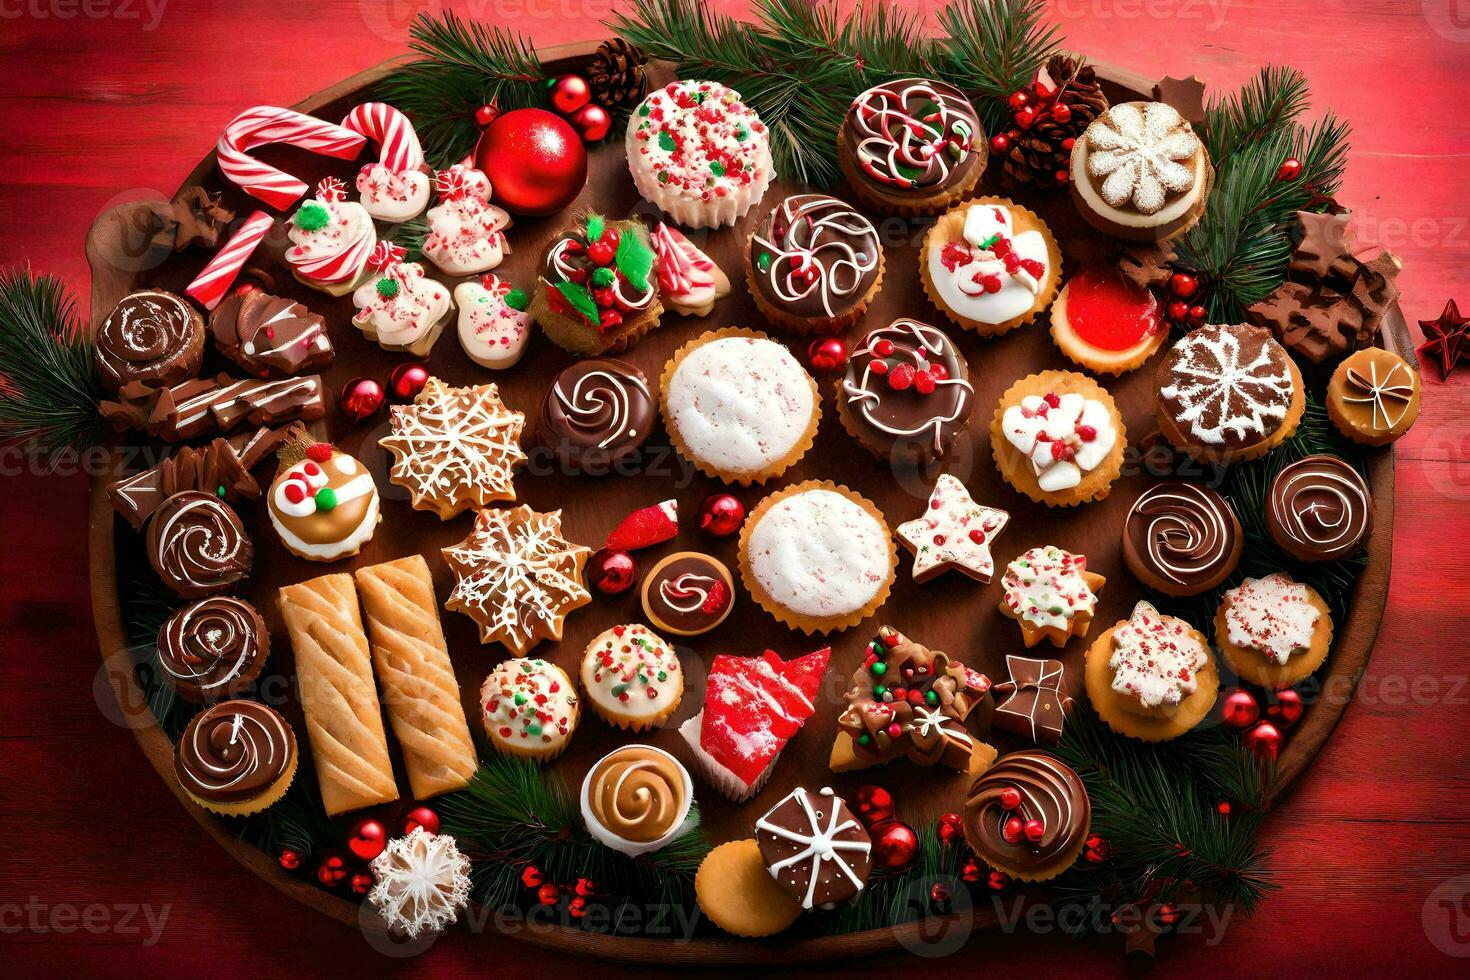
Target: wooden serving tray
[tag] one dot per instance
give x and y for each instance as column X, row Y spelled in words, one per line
column 950, row 613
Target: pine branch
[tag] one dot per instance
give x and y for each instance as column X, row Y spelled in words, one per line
column 49, row 390
column 996, row 47
column 1266, row 104
column 891, row 899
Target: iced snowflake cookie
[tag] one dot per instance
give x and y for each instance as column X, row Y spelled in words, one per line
column 1106, row 322
column 598, row 293
column 331, row 239
column 493, row 323
column 1139, row 172
column 954, row 532
column 1227, row 393
column 739, row 406
column 1273, row 631
column 517, row 577
column 1050, row 594
column 1152, row 676
column 423, row 882
column 455, row 448
column 699, row 153
column 631, row 677
column 1057, row 437
column 817, row 556
column 814, row 264
column 912, row 146
column 530, row 708
column 466, row 232
column 323, row 503
column 1373, row 397
column 398, row 307
column 689, row 282
column 990, row 265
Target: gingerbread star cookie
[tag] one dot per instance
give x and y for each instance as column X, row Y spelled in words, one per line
column 954, row 533
column 1050, row 594
column 517, row 577
column 455, row 447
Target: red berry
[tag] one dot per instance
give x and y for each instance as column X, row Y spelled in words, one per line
column 294, row 493
column 1182, row 284
column 1178, row 311
column 1025, row 118
column 1010, row 797
column 883, row 348
column 1198, row 314
column 924, row 383
column 1061, row 112
column 879, row 368
column 1012, row 830
column 1019, row 100
column 1000, row 143
column 1034, row 830
column 600, row 252
column 901, row 377
column 1086, row 433
column 977, row 536
column 939, row 372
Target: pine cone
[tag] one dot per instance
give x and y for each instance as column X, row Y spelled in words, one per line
column 617, row 74
column 1041, row 156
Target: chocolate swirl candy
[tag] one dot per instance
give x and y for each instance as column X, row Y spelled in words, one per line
column 197, row 544
column 1042, row 788
column 1186, row 535
column 906, row 391
column 1319, row 509
column 269, row 336
column 688, row 593
column 814, row 256
column 213, row 648
column 637, row 793
column 597, row 415
column 234, row 751
column 914, row 135
column 151, row 337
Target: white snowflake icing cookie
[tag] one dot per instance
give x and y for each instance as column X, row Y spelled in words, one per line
column 632, row 677
column 422, row 882
column 398, row 307
column 1273, row 631
column 1058, row 438
column 1140, row 172
column 494, row 326
column 689, row 282
column 953, row 533
column 739, row 406
column 455, row 448
column 1151, row 676
column 1050, row 594
column 817, row 556
column 331, row 239
column 991, row 265
column 466, row 232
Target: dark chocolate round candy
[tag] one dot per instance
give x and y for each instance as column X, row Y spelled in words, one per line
column 688, row 593
column 152, row 338
column 906, row 393
column 912, row 137
column 596, row 416
column 1319, row 509
column 213, row 649
column 1181, row 537
column 197, row 544
column 1050, row 792
column 234, row 752
column 814, row 257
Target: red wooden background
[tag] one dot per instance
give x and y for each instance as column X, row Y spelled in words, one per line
column 107, row 99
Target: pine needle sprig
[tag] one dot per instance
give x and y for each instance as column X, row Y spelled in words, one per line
column 1266, row 104
column 996, row 47
column 49, row 390
column 463, row 66
column 893, row 898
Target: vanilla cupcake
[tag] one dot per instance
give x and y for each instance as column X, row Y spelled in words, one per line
column 236, row 758
column 1139, row 172
column 817, row 556
column 739, row 406
column 631, row 677
column 814, row 264
column 1273, row 631
column 529, row 708
column 1058, row 438
column 699, row 153
column 990, row 265
column 1151, row 677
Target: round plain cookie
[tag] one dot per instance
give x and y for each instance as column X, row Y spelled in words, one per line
column 739, row 895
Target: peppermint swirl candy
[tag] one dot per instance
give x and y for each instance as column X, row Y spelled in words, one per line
column 213, row 648
column 197, row 544
column 234, row 751
column 815, row 256
column 1320, row 509
column 152, row 337
column 1183, row 533
column 912, row 134
column 637, row 793
column 1049, row 791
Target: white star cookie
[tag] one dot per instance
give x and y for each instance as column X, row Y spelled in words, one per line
column 954, row 532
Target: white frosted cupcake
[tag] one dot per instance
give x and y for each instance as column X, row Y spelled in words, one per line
column 631, row 677
column 398, row 307
column 739, row 406
column 699, row 153
column 331, row 239
column 529, row 708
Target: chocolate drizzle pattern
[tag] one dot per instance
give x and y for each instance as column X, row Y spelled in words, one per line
column 1320, row 509
column 815, row 256
column 234, row 751
column 197, row 544
column 1050, row 791
column 913, row 134
column 598, row 410
column 151, row 337
column 270, row 335
column 213, row 648
column 906, row 383
column 1183, row 532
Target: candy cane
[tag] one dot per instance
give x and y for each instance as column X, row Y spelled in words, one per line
column 398, row 144
column 210, row 286
column 268, row 124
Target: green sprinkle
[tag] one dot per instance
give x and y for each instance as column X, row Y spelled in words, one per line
column 864, row 739
column 619, row 690
column 763, row 261
column 604, row 277
column 517, row 299
column 644, row 109
column 313, row 216
column 534, row 728
column 219, row 491
column 520, row 697
column 931, row 697
column 663, row 675
column 879, row 668
column 663, row 176
column 326, row 499
column 879, row 690
column 717, row 168
column 990, row 242
column 666, row 141
column 387, row 288
column 741, row 133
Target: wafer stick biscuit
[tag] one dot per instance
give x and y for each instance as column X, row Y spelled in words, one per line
column 344, row 722
column 411, row 660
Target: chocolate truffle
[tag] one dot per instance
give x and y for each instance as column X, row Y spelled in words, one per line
column 906, row 394
column 150, row 337
column 1319, row 509
column 596, row 416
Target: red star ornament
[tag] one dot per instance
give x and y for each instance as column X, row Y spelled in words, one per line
column 1445, row 339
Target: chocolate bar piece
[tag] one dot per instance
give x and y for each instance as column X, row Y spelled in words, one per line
column 214, row 469
column 1035, row 705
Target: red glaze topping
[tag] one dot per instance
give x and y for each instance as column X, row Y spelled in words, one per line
column 1108, row 311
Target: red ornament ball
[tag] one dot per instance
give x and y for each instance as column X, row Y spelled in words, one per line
column 548, row 894
column 331, row 870
column 1290, row 169
column 1178, row 311
column 423, row 817
column 367, row 839
column 1061, row 112
column 939, row 896
column 896, row 845
column 721, row 514
column 1223, row 807
column 289, row 858
column 1025, row 118
column 827, row 355
column 1183, row 285
column 485, row 115
column 1264, row 740
column 535, row 160
column 408, row 380
column 951, row 828
column 569, row 93
column 997, row 880
column 1286, row 708
column 1197, row 315
column 1239, row 709
column 1168, row 913
column 874, row 805
column 1000, row 143
column 362, row 883
column 1019, row 100
column 592, row 123
column 361, row 399
column 611, row 571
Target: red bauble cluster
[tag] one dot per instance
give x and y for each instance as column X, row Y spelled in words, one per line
column 551, row 893
column 895, row 845
column 535, row 160
column 572, row 97
column 950, row 829
column 612, row 572
column 721, row 514
column 1183, row 306
column 1096, row 849
column 1264, row 730
column 365, row 840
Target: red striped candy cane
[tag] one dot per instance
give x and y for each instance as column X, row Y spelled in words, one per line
column 210, row 286
column 398, row 144
column 269, row 124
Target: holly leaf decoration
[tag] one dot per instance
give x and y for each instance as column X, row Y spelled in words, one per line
column 579, row 299
column 596, row 225
column 634, row 257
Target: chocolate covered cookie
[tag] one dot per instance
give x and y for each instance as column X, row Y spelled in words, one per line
column 596, row 416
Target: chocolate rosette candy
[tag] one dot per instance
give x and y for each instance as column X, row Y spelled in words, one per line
column 197, row 544
column 233, row 752
column 1028, row 815
column 597, row 415
column 151, row 337
column 1181, row 538
column 213, row 649
column 1319, row 509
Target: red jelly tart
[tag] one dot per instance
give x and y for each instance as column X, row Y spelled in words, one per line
column 1105, row 322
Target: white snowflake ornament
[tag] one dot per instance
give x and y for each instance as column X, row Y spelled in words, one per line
column 1138, row 152
column 422, row 882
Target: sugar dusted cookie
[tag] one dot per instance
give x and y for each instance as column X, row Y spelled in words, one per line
column 1050, row 594
column 1139, row 172
column 1273, row 631
column 1152, row 676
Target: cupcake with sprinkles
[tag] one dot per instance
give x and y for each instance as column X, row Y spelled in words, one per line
column 632, row 677
column 814, row 264
column 699, row 153
column 912, row 146
column 530, row 708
